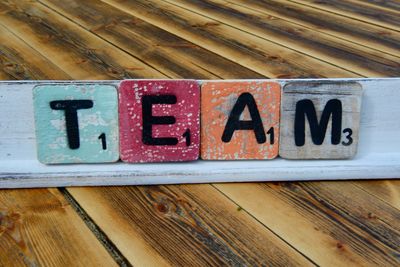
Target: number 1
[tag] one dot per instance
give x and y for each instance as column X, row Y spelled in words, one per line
column 103, row 141
column 271, row 135
column 187, row 136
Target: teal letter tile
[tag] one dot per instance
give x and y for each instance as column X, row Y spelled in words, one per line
column 76, row 123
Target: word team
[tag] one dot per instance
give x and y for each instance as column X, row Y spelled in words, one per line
column 185, row 120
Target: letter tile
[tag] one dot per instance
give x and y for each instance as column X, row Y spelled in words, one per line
column 159, row 120
column 76, row 123
column 320, row 120
column 240, row 120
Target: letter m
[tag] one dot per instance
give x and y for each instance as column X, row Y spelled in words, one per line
column 318, row 129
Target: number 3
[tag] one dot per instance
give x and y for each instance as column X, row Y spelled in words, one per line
column 348, row 136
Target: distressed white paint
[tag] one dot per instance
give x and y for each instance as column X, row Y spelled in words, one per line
column 378, row 154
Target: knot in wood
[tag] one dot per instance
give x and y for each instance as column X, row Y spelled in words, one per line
column 162, row 207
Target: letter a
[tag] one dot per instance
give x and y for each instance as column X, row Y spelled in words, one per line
column 233, row 124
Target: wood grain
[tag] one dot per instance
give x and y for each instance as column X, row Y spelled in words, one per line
column 168, row 53
column 333, row 223
column 39, row 228
column 391, row 4
column 18, row 61
column 79, row 53
column 183, row 225
column 265, row 57
column 350, row 56
column 387, row 190
column 355, row 9
column 321, row 21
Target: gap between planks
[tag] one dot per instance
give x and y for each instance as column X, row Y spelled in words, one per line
column 96, row 230
column 54, row 8
column 63, row 14
column 310, row 18
column 339, row 231
column 39, row 227
column 62, row 10
column 175, row 19
column 46, row 5
column 181, row 61
column 350, row 14
column 383, row 5
column 322, row 47
column 208, row 227
column 122, row 11
column 385, row 190
column 391, row 4
column 240, row 208
column 21, row 61
column 67, row 45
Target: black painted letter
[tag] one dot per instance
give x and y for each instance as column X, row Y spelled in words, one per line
column 148, row 120
column 70, row 108
column 318, row 130
column 233, row 123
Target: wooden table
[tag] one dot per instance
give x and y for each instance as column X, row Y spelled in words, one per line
column 339, row 223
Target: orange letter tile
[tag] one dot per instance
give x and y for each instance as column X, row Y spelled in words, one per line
column 240, row 120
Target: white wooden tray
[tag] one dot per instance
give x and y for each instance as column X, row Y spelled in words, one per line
column 378, row 155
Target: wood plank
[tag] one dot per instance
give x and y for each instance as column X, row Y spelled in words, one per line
column 182, row 225
column 391, row 4
column 333, row 223
column 357, row 10
column 5, row 75
column 18, row 61
column 262, row 56
column 350, row 56
column 79, row 53
column 367, row 7
column 387, row 190
column 155, row 239
column 172, row 55
column 320, row 21
column 39, row 228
